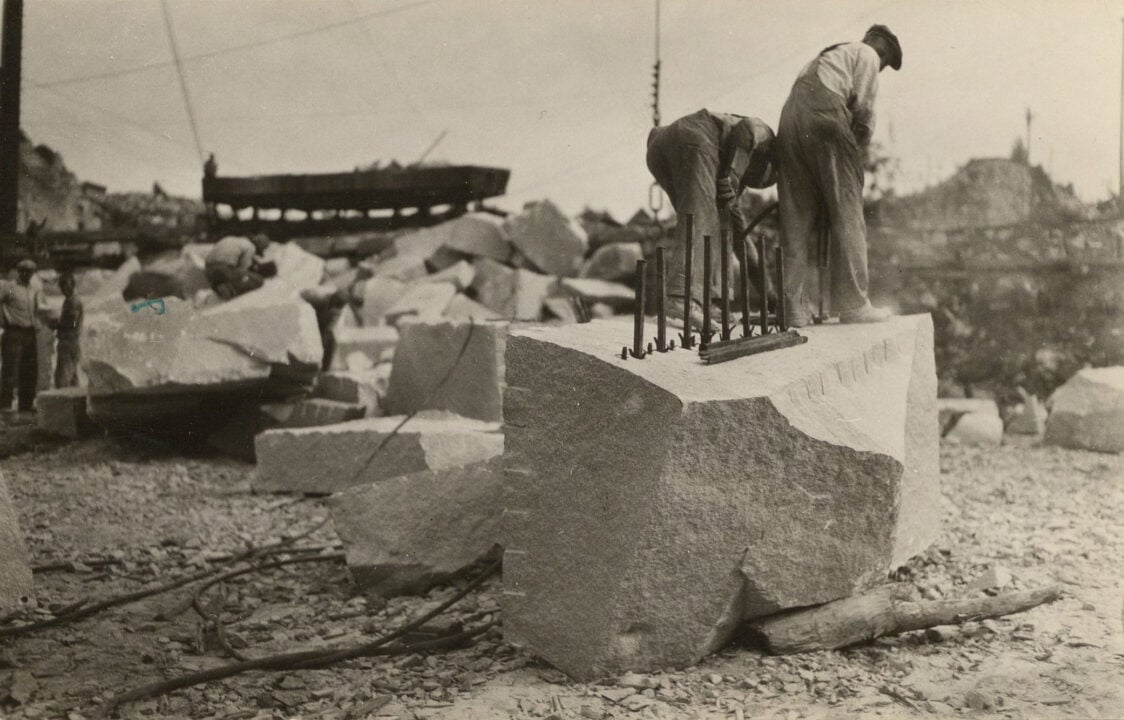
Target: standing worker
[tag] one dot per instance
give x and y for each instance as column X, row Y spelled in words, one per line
column 703, row 161
column 235, row 266
column 825, row 126
column 20, row 305
column 68, row 352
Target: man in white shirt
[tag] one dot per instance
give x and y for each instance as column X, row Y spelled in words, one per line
column 826, row 123
column 703, row 161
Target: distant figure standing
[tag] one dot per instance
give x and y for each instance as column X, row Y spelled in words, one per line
column 328, row 309
column 825, row 125
column 20, row 305
column 68, row 353
column 235, row 265
column 210, row 168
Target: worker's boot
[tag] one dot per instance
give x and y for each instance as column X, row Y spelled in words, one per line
column 865, row 314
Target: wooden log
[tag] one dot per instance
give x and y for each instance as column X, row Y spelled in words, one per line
column 882, row 612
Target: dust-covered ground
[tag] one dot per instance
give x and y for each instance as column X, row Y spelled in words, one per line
column 103, row 518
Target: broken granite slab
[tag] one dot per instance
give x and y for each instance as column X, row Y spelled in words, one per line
column 454, row 366
column 652, row 506
column 406, row 534
column 462, row 307
column 479, row 234
column 366, row 388
column 976, row 428
column 15, row 572
column 950, row 409
column 62, row 411
column 552, row 242
column 327, row 459
column 378, row 294
column 615, row 261
column 1088, row 411
column 421, row 301
column 249, row 339
column 511, row 294
column 371, row 344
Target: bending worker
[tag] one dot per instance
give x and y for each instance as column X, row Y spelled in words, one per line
column 235, row 265
column 825, row 126
column 703, row 161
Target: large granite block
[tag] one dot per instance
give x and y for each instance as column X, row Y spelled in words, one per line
column 653, row 505
column 62, row 411
column 327, row 459
column 244, row 340
column 431, row 372
column 15, row 572
column 406, row 534
column 1088, row 411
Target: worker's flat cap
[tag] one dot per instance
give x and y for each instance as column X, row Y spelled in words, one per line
column 881, row 31
column 28, row 265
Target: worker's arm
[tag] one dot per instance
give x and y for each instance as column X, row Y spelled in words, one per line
column 735, row 160
column 865, row 89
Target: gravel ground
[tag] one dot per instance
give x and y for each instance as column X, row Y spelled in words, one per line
column 112, row 518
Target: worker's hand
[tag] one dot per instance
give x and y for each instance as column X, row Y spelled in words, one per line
column 727, row 189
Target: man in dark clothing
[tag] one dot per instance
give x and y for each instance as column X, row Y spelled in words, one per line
column 234, row 266
column 68, row 352
column 20, row 305
column 825, row 124
column 703, row 161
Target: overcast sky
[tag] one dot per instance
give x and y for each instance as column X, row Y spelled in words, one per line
column 557, row 91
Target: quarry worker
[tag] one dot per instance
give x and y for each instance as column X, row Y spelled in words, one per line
column 328, row 307
column 703, row 161
column 235, row 265
column 68, row 329
column 20, row 307
column 825, row 127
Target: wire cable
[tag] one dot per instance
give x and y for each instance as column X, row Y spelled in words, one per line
column 183, row 80
column 234, row 48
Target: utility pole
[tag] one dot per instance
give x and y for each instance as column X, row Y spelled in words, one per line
column 1029, row 117
column 11, row 36
column 1120, row 138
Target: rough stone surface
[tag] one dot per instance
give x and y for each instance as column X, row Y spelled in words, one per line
column 379, row 295
column 366, row 388
column 406, row 534
column 246, row 339
column 551, row 241
column 1088, row 411
column 15, row 572
column 330, row 458
column 63, row 412
column 370, row 342
column 512, row 294
column 431, row 373
column 422, row 301
column 652, row 505
column 616, row 261
column 976, row 428
column 480, row 235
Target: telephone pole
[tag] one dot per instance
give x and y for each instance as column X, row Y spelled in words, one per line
column 11, row 36
column 1120, row 138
